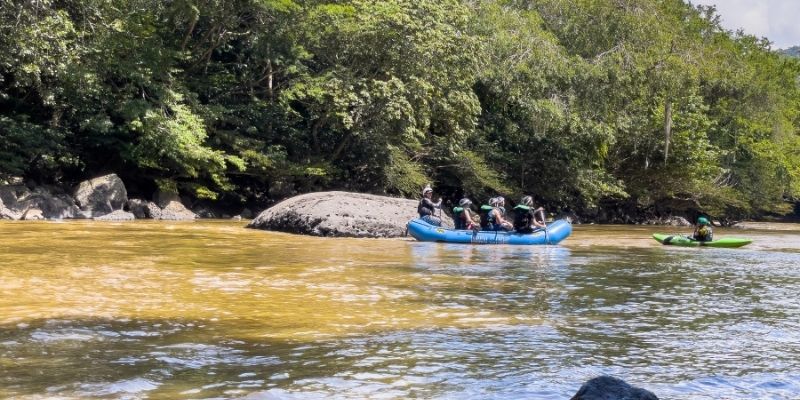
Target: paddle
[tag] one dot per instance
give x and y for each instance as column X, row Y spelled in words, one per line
column 544, row 222
column 439, row 206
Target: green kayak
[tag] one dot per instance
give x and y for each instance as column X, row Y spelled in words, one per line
column 681, row 240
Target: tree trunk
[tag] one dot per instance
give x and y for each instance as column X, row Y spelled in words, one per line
column 195, row 17
column 667, row 128
column 340, row 147
column 269, row 81
column 315, row 127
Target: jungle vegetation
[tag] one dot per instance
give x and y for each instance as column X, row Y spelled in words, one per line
column 647, row 106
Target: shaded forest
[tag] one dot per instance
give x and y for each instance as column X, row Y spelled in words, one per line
column 621, row 107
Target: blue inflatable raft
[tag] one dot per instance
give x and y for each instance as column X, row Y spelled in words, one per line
column 425, row 232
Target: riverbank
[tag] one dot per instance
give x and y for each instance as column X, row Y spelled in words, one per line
column 334, row 213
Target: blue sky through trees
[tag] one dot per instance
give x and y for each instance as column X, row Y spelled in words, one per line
column 773, row 19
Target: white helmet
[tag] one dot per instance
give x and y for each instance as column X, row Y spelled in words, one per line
column 527, row 201
column 426, row 189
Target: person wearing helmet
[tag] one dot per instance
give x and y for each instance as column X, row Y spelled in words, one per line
column 703, row 231
column 493, row 216
column 487, row 216
column 462, row 215
column 526, row 218
column 427, row 207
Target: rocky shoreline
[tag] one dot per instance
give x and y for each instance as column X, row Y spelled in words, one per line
column 335, row 213
column 103, row 198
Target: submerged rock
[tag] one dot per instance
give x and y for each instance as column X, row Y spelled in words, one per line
column 341, row 214
column 610, row 388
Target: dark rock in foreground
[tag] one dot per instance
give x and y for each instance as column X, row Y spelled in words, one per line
column 340, row 214
column 610, row 388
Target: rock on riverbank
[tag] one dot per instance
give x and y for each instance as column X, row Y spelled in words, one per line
column 104, row 198
column 342, row 214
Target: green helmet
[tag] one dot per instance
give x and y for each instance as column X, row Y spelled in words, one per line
column 702, row 221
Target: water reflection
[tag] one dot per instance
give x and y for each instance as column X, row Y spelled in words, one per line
column 209, row 310
column 456, row 257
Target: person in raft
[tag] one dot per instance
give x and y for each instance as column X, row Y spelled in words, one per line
column 703, row 232
column 462, row 215
column 493, row 216
column 526, row 218
column 427, row 207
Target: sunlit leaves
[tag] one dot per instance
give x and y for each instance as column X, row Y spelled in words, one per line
column 247, row 99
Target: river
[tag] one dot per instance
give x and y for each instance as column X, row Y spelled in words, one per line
column 151, row 310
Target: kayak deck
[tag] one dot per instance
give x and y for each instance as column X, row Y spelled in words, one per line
column 682, row 240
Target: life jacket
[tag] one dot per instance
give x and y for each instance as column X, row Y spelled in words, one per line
column 704, row 234
column 487, row 217
column 458, row 219
column 523, row 217
column 423, row 209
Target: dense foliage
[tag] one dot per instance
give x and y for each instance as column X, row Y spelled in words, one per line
column 646, row 106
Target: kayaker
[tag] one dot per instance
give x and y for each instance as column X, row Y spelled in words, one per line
column 493, row 217
column 462, row 215
column 427, row 207
column 526, row 219
column 703, row 231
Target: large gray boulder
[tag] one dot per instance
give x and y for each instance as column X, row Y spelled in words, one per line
column 18, row 202
column 341, row 214
column 176, row 211
column 610, row 388
column 101, row 195
column 172, row 208
column 143, row 209
column 9, row 196
column 7, row 213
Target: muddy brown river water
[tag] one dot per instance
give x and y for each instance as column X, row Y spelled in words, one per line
column 152, row 310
